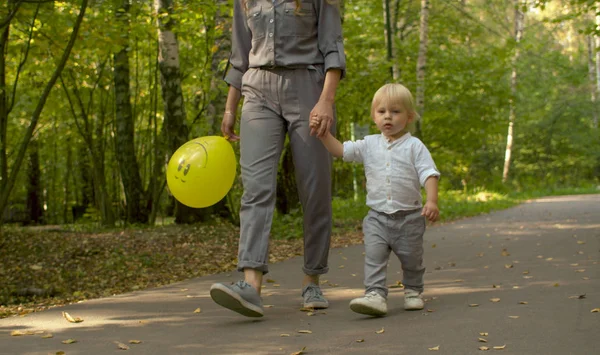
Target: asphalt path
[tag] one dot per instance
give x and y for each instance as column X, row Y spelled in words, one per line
column 524, row 280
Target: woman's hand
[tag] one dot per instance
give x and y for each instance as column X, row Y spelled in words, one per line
column 227, row 126
column 321, row 118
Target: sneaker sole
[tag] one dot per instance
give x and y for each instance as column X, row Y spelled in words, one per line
column 316, row 305
column 223, row 296
column 413, row 308
column 370, row 311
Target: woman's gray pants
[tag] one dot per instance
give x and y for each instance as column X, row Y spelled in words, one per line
column 278, row 102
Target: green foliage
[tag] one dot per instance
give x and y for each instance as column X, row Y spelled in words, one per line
column 467, row 93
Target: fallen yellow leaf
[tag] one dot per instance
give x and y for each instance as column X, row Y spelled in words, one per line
column 577, row 296
column 459, row 280
column 484, row 348
column 341, row 266
column 495, row 300
column 360, row 340
column 580, row 242
column 135, row 342
column 47, row 336
column 305, row 331
column 513, row 317
column 271, row 281
column 508, row 266
column 197, row 310
column 473, row 305
column 528, row 277
column 299, row 352
column 505, row 252
column 122, row 346
column 525, row 272
column 69, row 341
column 484, row 334
column 17, row 333
column 580, row 270
column 556, row 284
column 68, row 317
column 433, row 245
column 435, row 348
column 481, row 340
column 500, row 347
column 284, row 335
column 268, row 306
column 380, row 331
column 549, row 259
column 523, row 302
column 595, row 310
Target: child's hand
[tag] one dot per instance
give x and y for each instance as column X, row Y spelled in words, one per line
column 315, row 122
column 431, row 211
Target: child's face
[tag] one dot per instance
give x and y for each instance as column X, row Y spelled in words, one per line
column 391, row 118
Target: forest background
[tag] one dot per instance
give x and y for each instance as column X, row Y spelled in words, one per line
column 95, row 95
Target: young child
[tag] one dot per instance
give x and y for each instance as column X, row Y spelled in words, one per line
column 396, row 166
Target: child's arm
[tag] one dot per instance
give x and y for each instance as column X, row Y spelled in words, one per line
column 335, row 147
column 430, row 210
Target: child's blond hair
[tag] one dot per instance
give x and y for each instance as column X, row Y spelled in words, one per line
column 397, row 93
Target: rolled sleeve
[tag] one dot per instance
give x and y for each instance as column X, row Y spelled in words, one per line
column 353, row 151
column 241, row 44
column 331, row 41
column 425, row 165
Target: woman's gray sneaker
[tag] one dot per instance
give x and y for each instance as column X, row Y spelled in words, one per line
column 240, row 297
column 313, row 297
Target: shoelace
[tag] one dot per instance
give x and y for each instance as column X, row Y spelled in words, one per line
column 313, row 292
column 372, row 294
column 242, row 284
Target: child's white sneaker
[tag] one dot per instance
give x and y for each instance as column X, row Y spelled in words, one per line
column 413, row 300
column 372, row 304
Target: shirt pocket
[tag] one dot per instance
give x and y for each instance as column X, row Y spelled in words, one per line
column 256, row 22
column 301, row 22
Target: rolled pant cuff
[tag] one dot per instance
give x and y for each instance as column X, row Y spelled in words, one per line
column 253, row 265
column 312, row 272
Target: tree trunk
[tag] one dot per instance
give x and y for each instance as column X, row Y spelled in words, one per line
column 287, row 192
column 136, row 210
column 592, row 78
column 35, row 210
column 519, row 19
column 6, row 188
column 421, row 63
column 175, row 129
column 389, row 35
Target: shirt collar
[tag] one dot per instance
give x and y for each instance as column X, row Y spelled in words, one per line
column 406, row 136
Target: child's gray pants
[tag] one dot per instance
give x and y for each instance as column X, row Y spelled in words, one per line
column 278, row 102
column 402, row 233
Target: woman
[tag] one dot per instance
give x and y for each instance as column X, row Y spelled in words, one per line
column 287, row 60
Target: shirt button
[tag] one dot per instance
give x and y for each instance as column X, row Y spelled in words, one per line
column 271, row 34
column 271, row 21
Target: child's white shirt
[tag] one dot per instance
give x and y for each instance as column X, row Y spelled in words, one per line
column 395, row 170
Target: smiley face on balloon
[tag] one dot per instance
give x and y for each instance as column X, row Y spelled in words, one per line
column 201, row 172
column 184, row 167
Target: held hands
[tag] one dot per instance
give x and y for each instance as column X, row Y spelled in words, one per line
column 321, row 118
column 431, row 211
column 227, row 126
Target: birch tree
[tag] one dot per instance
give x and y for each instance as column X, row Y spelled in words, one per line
column 519, row 18
column 592, row 77
column 421, row 63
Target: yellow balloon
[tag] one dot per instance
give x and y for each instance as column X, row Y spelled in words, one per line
column 201, row 172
